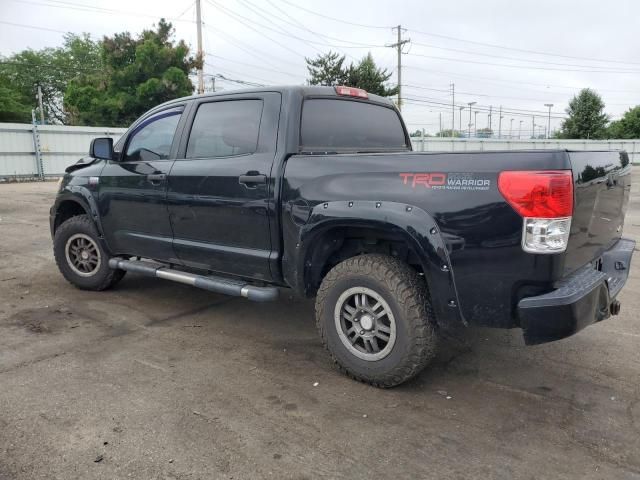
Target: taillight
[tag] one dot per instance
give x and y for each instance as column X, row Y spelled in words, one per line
column 545, row 201
column 352, row 92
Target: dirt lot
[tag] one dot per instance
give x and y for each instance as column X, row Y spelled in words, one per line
column 156, row 380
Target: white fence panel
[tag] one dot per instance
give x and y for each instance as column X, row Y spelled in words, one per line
column 60, row 146
column 435, row 144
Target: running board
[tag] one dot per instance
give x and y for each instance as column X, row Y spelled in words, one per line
column 213, row 284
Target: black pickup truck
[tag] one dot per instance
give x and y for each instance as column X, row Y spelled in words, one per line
column 317, row 189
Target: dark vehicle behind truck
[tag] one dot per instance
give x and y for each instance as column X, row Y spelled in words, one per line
column 317, row 189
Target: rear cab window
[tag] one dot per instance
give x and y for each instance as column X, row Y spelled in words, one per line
column 341, row 125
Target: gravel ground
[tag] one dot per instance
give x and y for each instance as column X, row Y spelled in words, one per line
column 155, row 380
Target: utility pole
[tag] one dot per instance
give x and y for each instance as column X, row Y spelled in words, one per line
column 471, row 104
column 40, row 105
column 500, row 123
column 460, row 127
column 549, row 121
column 213, row 84
column 533, row 126
column 200, row 52
column 511, row 129
column 490, row 109
column 399, row 45
column 440, row 132
column 475, row 123
column 453, row 108
column 520, row 129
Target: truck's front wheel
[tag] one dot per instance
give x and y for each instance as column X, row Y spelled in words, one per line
column 80, row 256
column 375, row 319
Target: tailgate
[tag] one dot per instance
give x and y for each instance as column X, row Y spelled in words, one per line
column 602, row 181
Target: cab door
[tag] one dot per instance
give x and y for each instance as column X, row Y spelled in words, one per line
column 220, row 194
column 133, row 188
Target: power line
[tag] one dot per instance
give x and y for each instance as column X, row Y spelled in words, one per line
column 502, row 80
column 247, row 64
column 468, row 52
column 522, row 50
column 346, row 22
column 90, row 8
column 239, row 44
column 235, row 16
column 511, row 111
column 34, row 27
column 525, row 67
column 224, row 10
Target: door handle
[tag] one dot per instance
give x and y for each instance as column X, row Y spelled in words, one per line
column 252, row 179
column 156, row 178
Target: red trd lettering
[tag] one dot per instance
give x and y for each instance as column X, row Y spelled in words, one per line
column 405, row 177
column 427, row 179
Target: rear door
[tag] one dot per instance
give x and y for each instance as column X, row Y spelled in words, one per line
column 133, row 188
column 220, row 195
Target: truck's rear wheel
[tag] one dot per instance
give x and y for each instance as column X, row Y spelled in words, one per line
column 80, row 256
column 374, row 317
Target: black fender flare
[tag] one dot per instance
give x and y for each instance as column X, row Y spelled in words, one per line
column 415, row 225
column 83, row 197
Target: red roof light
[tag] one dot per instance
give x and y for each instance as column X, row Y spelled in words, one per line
column 352, row 92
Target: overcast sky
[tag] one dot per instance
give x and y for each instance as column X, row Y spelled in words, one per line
column 486, row 48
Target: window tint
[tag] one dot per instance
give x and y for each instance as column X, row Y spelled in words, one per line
column 152, row 139
column 344, row 124
column 222, row 129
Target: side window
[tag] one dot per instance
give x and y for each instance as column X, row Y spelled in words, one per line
column 152, row 139
column 225, row 128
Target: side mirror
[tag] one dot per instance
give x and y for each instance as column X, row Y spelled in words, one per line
column 101, row 148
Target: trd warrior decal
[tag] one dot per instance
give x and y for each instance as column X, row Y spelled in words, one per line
column 446, row 181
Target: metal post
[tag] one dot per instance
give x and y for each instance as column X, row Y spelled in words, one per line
column 511, row 129
column 475, row 123
column 520, row 129
column 549, row 120
column 533, row 126
column 490, row 109
column 200, row 52
column 40, row 105
column 471, row 104
column 36, row 145
column 453, row 108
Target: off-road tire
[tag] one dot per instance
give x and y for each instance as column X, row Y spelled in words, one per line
column 104, row 277
column 406, row 293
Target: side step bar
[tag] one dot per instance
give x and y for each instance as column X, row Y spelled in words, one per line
column 213, row 284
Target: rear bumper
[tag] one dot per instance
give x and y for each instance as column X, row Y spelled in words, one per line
column 584, row 297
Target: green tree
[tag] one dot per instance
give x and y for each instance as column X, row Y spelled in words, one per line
column 484, row 133
column 52, row 69
column 447, row 133
column 14, row 107
column 628, row 126
column 368, row 76
column 586, row 117
column 135, row 75
column 329, row 69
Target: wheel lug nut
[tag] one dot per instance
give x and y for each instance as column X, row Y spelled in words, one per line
column 361, row 332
